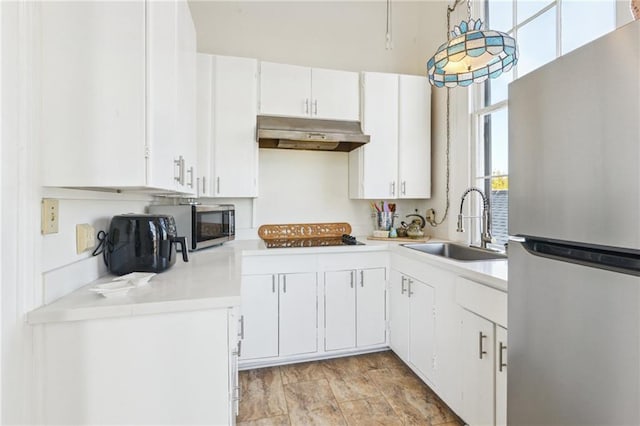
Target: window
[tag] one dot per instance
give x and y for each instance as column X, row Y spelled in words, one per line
column 544, row 30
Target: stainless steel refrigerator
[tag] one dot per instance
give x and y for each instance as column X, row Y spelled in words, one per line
column 574, row 201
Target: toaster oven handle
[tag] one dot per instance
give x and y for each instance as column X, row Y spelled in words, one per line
column 183, row 246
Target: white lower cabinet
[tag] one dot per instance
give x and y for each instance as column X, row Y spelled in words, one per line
column 298, row 314
column 279, row 314
column 501, row 376
column 483, row 352
column 166, row 368
column 412, row 325
column 477, row 368
column 354, row 306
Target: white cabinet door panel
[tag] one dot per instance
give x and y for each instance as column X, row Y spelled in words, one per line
column 93, row 93
column 162, row 94
column 298, row 313
column 477, row 358
column 422, row 327
column 259, row 295
column 399, row 315
column 234, row 129
column 285, row 89
column 414, row 137
column 340, row 310
column 501, row 376
column 336, row 94
column 380, row 121
column 204, row 121
column 370, row 308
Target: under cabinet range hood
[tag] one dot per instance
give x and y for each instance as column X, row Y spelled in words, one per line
column 309, row 134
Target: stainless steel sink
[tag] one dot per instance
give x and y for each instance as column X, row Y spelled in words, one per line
column 457, row 251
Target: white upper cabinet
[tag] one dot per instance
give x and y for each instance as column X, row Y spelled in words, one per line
column 373, row 168
column 185, row 143
column 414, row 137
column 336, row 94
column 292, row 90
column 93, row 97
column 114, row 83
column 227, row 109
column 396, row 163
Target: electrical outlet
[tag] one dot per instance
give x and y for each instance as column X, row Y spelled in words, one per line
column 49, row 218
column 431, row 215
column 85, row 237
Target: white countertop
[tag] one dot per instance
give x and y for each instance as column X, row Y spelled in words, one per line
column 211, row 280
column 489, row 272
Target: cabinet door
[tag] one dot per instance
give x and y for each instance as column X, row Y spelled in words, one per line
column 421, row 327
column 399, row 315
column 477, row 358
column 235, row 153
column 185, row 107
column 380, row 121
column 285, row 90
column 501, row 376
column 414, row 137
column 236, row 328
column 335, row 94
column 259, row 295
column 339, row 310
column 371, row 314
column 204, row 124
column 93, row 94
column 162, row 93
column 298, row 313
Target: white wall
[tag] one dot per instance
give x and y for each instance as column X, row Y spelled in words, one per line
column 298, row 186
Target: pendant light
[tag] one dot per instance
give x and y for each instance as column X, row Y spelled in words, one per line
column 471, row 54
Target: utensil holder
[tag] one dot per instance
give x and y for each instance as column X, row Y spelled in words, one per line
column 384, row 220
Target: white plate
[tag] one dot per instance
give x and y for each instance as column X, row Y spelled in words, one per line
column 136, row 278
column 112, row 289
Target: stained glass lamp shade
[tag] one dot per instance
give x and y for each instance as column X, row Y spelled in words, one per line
column 472, row 55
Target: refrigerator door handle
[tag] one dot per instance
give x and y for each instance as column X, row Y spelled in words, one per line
column 622, row 260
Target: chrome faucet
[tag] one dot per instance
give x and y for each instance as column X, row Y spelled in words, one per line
column 485, row 234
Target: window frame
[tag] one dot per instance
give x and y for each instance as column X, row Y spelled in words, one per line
column 480, row 107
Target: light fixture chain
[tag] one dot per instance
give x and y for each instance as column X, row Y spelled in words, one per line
column 469, row 10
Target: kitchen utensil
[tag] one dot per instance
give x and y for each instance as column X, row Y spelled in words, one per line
column 384, row 220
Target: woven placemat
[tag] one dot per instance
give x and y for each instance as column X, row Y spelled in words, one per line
column 303, row 230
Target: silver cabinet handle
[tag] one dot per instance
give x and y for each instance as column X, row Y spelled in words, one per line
column 273, row 283
column 361, row 278
column 501, row 363
column 241, row 327
column 315, row 107
column 218, row 185
column 402, row 287
column 404, row 187
column 204, row 186
column 481, row 350
column 306, row 106
column 190, row 172
column 410, row 282
column 180, row 163
column 238, row 350
column 393, row 188
column 284, row 284
column 351, row 273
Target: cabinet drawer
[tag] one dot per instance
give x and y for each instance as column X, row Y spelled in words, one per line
column 483, row 300
column 257, row 265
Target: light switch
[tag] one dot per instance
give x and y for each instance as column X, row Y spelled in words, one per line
column 85, row 237
column 49, row 216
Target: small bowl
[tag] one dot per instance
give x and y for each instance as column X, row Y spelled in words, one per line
column 381, row 234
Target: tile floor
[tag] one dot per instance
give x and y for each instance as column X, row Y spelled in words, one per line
column 372, row 389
